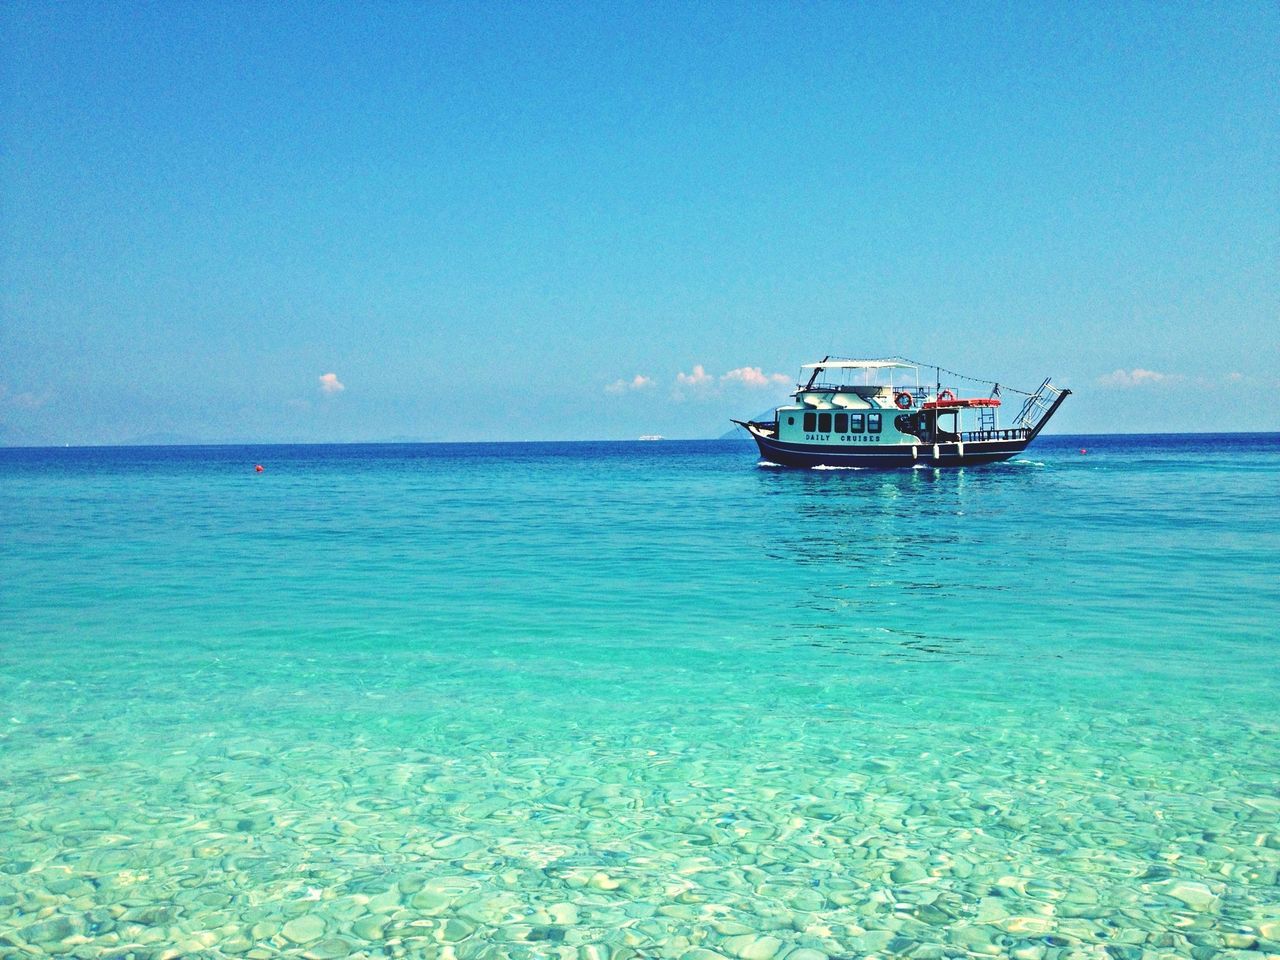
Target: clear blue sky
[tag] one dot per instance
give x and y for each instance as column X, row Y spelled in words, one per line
column 542, row 220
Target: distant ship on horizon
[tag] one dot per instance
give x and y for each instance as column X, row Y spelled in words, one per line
column 651, row 436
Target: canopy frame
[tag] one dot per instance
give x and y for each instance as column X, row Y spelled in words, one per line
column 865, row 366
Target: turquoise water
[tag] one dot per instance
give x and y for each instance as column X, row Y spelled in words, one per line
column 639, row 700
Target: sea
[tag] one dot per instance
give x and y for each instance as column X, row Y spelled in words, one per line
column 628, row 701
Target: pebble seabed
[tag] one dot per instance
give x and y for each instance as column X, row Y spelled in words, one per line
column 1002, row 842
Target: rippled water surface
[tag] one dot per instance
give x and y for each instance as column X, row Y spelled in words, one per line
column 603, row 701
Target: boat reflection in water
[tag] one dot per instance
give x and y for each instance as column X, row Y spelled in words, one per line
column 901, row 565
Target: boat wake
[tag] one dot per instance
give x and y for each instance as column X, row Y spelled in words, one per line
column 823, row 466
column 767, row 463
column 1029, row 463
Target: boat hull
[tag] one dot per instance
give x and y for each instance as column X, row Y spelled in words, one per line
column 888, row 456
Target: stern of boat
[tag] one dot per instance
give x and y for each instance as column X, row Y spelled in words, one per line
column 1039, row 407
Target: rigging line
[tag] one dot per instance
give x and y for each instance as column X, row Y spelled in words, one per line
column 962, row 376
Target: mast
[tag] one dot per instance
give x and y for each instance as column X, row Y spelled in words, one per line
column 816, row 370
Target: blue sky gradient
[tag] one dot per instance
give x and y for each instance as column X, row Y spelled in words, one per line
column 538, row 221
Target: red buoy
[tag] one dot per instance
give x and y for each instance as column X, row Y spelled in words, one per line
column 1082, row 450
column 258, row 467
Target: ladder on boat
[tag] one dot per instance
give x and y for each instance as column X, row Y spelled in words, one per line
column 1039, row 407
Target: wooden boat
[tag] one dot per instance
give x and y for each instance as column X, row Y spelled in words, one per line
column 876, row 413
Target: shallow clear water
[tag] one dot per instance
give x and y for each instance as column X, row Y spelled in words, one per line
column 640, row 700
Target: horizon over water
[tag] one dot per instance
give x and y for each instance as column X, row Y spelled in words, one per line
column 609, row 700
column 735, row 435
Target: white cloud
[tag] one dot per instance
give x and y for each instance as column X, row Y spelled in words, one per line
column 31, row 400
column 699, row 377
column 638, row 382
column 1137, row 377
column 754, row 377
column 27, row 400
column 330, row 384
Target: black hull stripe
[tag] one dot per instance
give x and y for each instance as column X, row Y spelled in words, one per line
column 888, row 456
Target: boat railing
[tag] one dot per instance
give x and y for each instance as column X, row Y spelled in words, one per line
column 1039, row 407
column 837, row 388
column 1009, row 433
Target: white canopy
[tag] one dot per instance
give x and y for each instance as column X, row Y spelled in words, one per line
column 857, row 365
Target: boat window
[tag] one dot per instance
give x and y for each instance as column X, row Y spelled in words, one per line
column 791, row 421
column 810, row 422
column 842, row 423
column 855, row 423
column 824, row 423
column 873, row 422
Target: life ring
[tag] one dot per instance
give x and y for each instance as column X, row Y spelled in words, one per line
column 945, row 396
column 904, row 400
